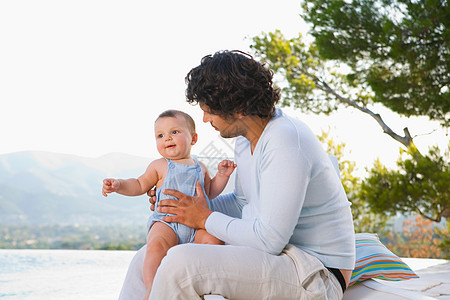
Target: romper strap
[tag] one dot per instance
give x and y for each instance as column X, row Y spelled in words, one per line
column 169, row 163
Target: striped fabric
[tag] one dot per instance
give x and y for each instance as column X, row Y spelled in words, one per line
column 374, row 260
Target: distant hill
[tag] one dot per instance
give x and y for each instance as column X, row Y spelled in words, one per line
column 51, row 188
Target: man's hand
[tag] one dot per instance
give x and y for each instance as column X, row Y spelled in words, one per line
column 152, row 198
column 110, row 185
column 187, row 210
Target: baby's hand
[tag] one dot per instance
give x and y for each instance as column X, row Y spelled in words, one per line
column 226, row 167
column 110, row 185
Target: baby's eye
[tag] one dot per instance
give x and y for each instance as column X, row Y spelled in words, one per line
column 175, row 132
column 159, row 136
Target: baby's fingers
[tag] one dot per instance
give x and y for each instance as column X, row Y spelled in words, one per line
column 224, row 163
column 230, row 164
column 115, row 184
column 105, row 192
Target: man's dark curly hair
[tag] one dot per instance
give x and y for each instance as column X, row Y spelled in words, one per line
column 231, row 82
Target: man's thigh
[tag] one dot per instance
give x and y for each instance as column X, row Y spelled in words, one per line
column 236, row 273
column 133, row 285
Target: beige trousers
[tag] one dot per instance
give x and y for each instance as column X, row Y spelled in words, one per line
column 191, row 270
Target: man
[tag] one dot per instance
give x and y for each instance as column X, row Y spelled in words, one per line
column 287, row 226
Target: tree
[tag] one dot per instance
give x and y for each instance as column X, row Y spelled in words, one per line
column 359, row 58
column 420, row 184
column 399, row 48
column 313, row 84
column 397, row 53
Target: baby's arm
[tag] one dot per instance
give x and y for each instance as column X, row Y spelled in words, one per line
column 133, row 186
column 218, row 183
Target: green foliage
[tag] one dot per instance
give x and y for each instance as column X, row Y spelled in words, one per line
column 396, row 53
column 121, row 246
column 72, row 237
column 400, row 49
column 308, row 76
column 364, row 219
column 444, row 235
column 420, row 184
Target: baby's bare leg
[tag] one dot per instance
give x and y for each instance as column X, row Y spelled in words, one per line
column 160, row 239
column 203, row 237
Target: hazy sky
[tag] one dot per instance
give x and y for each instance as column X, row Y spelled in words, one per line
column 89, row 77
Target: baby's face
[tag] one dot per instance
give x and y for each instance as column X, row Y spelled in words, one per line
column 173, row 137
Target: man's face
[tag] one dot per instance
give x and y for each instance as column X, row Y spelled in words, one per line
column 227, row 127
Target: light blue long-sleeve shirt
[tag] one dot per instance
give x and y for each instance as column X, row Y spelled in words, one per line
column 287, row 191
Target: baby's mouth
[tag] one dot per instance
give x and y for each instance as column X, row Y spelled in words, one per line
column 170, row 146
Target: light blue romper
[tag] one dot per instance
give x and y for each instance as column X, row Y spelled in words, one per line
column 182, row 178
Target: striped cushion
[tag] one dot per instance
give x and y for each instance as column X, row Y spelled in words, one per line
column 374, row 260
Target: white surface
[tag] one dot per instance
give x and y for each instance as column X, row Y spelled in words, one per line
column 373, row 290
column 434, row 283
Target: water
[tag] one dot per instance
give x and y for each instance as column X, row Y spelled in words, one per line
column 62, row 274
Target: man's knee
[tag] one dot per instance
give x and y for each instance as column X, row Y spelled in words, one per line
column 179, row 260
column 178, row 273
column 180, row 252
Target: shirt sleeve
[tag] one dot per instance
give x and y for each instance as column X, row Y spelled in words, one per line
column 227, row 204
column 230, row 204
column 283, row 176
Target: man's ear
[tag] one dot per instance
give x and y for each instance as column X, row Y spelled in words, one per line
column 194, row 138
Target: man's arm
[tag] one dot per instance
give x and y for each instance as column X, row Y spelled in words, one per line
column 275, row 204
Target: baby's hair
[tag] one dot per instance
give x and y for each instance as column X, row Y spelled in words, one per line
column 172, row 113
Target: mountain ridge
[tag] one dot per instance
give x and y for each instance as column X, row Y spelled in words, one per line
column 39, row 187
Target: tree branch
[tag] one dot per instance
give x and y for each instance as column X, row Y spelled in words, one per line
column 437, row 220
column 434, row 130
column 406, row 140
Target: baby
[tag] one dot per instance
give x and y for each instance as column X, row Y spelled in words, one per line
column 175, row 135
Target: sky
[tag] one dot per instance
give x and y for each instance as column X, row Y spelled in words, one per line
column 89, row 77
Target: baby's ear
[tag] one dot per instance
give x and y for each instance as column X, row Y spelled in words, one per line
column 194, row 138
